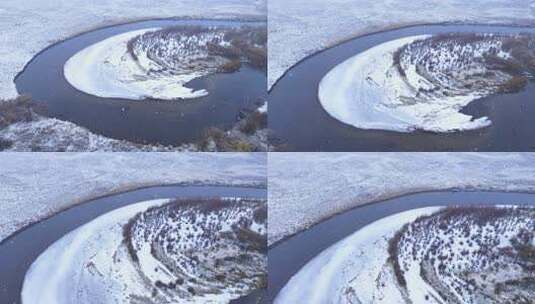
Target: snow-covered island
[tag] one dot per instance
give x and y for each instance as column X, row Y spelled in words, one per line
column 423, row 82
column 428, row 255
column 158, row 63
column 161, row 251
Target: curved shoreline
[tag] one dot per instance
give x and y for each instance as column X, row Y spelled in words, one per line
column 106, row 25
column 293, row 254
column 122, row 124
column 333, row 259
column 423, row 82
column 157, row 61
column 21, row 250
column 365, row 249
column 290, row 108
column 86, row 251
column 394, row 196
column 392, row 28
column 128, row 189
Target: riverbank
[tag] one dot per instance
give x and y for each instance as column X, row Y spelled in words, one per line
column 301, row 28
column 31, row 26
column 321, row 185
column 34, row 187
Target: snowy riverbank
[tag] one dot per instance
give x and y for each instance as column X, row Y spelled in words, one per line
column 174, row 250
column 31, row 25
column 37, row 186
column 432, row 255
column 351, row 264
column 158, row 63
column 423, row 82
column 300, row 28
column 320, row 185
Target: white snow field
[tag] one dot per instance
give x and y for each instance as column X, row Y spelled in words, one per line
column 299, row 28
column 53, row 135
column 34, row 186
column 428, row 255
column 29, row 26
column 359, row 91
column 106, row 69
column 305, row 189
column 174, row 251
column 81, row 254
column 356, row 261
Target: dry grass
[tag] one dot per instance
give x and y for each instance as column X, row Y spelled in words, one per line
column 255, row 121
column 5, row 144
column 223, row 142
column 230, row 66
column 19, row 109
column 514, row 85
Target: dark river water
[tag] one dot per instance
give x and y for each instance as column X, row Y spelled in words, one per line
column 287, row 257
column 20, row 250
column 301, row 124
column 147, row 121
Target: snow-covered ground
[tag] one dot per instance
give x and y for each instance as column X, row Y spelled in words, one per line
column 353, row 263
column 29, row 26
column 419, row 82
column 427, row 255
column 299, row 28
column 53, row 135
column 306, row 188
column 106, row 69
column 34, row 186
column 187, row 251
column 158, row 64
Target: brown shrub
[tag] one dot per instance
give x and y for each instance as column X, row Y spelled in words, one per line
column 5, row 144
column 256, row 56
column 19, row 109
column 223, row 142
column 393, row 251
column 513, row 85
column 230, row 66
column 255, row 121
